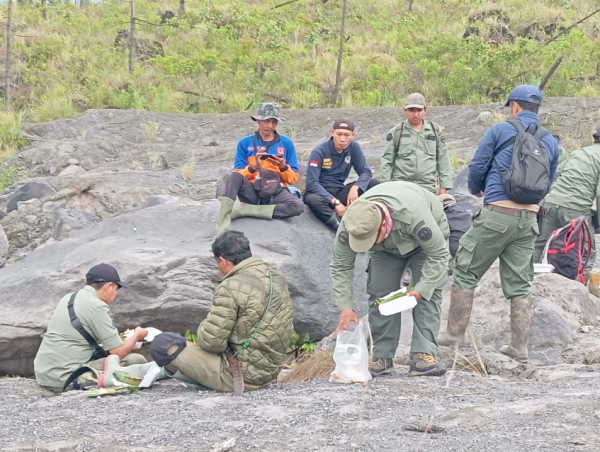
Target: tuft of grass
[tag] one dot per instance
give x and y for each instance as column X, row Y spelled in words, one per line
column 53, row 108
column 10, row 133
column 189, row 336
column 187, row 169
column 134, row 163
column 454, row 159
column 9, row 175
column 151, row 131
column 154, row 159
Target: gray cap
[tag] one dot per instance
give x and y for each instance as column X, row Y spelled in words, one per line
column 267, row 110
column 415, row 100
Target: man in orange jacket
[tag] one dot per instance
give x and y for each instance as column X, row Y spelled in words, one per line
column 265, row 164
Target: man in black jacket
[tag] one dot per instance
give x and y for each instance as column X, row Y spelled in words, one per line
column 328, row 168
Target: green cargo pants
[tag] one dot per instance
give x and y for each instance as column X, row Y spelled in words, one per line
column 208, row 369
column 557, row 217
column 497, row 235
column 384, row 274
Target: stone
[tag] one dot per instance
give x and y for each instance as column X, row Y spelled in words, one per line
column 72, row 170
column 156, row 200
column 73, row 162
column 31, row 190
column 560, row 307
column 3, row 247
column 460, row 189
column 164, row 253
column 2, row 214
column 87, row 164
column 485, row 117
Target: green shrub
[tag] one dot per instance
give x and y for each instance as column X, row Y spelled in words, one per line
column 10, row 133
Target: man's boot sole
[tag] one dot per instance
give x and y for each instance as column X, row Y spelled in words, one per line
column 427, row 373
column 382, row 373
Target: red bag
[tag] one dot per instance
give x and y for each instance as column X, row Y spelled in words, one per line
column 569, row 248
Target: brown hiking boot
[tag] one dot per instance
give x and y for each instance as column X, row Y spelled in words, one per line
column 425, row 365
column 381, row 366
column 459, row 314
column 520, row 322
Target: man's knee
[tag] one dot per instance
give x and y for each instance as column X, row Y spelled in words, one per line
column 233, row 184
column 294, row 206
column 372, row 183
column 133, row 358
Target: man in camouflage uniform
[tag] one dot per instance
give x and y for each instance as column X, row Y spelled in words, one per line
column 572, row 196
column 416, row 151
column 399, row 224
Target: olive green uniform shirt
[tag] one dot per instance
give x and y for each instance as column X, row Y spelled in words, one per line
column 419, row 159
column 579, row 182
column 63, row 349
column 418, row 221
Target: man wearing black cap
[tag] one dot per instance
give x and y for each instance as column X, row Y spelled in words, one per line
column 328, row 168
column 64, row 349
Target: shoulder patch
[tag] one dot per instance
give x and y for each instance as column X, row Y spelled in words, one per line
column 343, row 238
column 389, row 137
column 422, row 232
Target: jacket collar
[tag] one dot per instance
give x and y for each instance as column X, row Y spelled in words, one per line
column 250, row 262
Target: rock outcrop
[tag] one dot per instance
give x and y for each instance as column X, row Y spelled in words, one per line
column 164, row 252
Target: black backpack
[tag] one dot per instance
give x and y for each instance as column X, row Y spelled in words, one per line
column 527, row 180
column 569, row 248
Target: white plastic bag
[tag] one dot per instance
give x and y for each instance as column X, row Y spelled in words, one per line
column 351, row 357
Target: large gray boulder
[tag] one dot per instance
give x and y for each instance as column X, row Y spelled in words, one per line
column 3, row 247
column 31, row 190
column 164, row 252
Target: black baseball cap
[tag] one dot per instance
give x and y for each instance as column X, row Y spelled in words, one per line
column 104, row 273
column 596, row 133
column 343, row 123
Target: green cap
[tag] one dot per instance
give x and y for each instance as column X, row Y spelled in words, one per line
column 267, row 110
column 363, row 221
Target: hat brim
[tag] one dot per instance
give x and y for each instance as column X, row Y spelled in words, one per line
column 264, row 118
column 414, row 106
column 122, row 284
column 364, row 244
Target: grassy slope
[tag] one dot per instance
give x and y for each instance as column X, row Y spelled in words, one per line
column 234, row 53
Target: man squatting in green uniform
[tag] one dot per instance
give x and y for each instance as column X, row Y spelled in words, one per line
column 572, row 195
column 64, row 349
column 399, row 224
column 503, row 229
column 416, row 150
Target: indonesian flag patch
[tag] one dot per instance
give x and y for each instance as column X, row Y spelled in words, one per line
column 314, row 163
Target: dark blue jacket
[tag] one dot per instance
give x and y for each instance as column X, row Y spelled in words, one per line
column 328, row 168
column 486, row 178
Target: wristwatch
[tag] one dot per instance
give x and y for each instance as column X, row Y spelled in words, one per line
column 336, row 202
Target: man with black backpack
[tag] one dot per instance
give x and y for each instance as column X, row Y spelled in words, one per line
column 416, row 150
column 512, row 169
column 265, row 165
column 82, row 334
column 572, row 196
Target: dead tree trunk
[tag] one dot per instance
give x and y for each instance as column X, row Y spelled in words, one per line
column 132, row 39
column 8, row 57
column 410, row 5
column 181, row 7
column 338, row 73
column 44, row 13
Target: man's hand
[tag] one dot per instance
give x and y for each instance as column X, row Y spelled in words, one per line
column 442, row 191
column 254, row 167
column 140, row 333
column 340, row 209
column 352, row 195
column 480, row 194
column 346, row 316
column 279, row 161
column 414, row 293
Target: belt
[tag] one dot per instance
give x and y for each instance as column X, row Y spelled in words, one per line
column 511, row 211
column 236, row 372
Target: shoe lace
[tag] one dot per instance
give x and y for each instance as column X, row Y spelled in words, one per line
column 427, row 358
